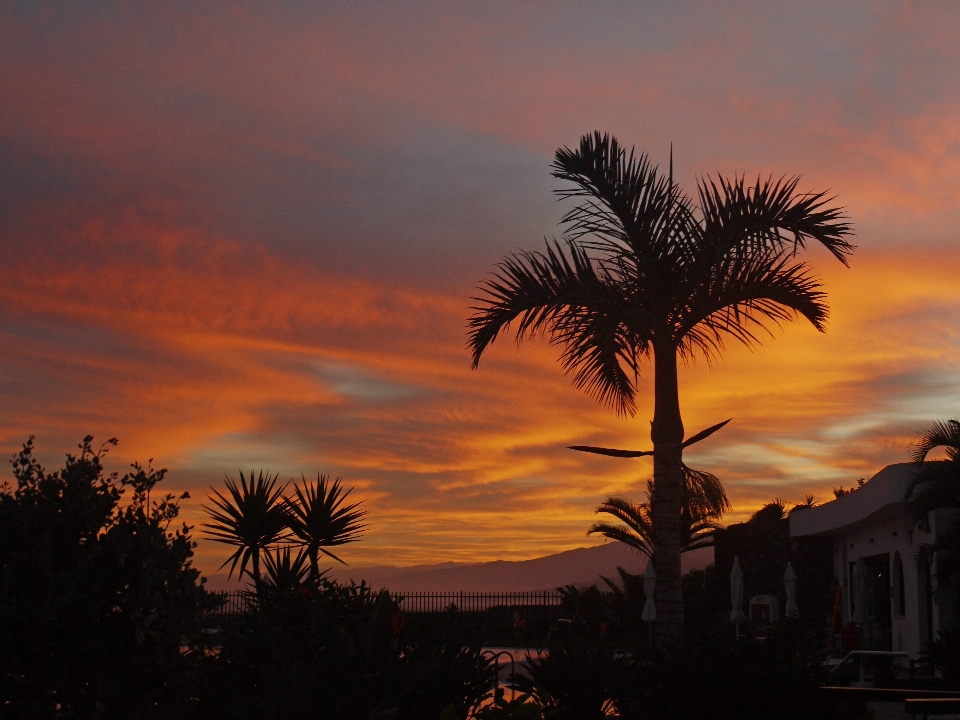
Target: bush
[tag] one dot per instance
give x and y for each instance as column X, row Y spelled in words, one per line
column 95, row 596
column 97, row 599
column 325, row 650
column 579, row 680
column 604, row 663
column 712, row 676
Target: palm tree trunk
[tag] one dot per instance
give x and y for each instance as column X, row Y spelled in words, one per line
column 666, row 433
column 255, row 557
column 315, row 563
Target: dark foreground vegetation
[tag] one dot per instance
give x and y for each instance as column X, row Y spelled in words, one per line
column 101, row 617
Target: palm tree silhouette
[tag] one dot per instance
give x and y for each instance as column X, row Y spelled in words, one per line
column 644, row 275
column 704, row 502
column 319, row 518
column 250, row 519
column 936, row 483
column 934, row 486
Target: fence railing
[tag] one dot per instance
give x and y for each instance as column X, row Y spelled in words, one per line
column 491, row 618
column 441, row 602
column 233, row 605
column 486, row 617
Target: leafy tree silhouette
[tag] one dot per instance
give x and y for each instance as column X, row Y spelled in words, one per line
column 95, row 594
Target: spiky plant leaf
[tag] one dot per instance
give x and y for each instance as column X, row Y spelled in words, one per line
column 321, row 518
column 250, row 517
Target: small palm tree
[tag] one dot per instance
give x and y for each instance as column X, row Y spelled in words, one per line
column 704, row 502
column 250, row 519
column 936, row 484
column 635, row 527
column 320, row 519
column 285, row 571
column 805, row 504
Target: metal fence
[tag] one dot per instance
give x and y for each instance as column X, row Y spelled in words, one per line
column 233, row 605
column 442, row 602
column 505, row 618
column 490, row 618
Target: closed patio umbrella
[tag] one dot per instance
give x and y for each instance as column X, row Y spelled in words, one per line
column 790, row 584
column 649, row 613
column 649, row 588
column 860, row 592
column 860, row 600
column 736, row 594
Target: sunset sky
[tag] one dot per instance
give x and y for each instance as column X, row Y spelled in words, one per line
column 247, row 236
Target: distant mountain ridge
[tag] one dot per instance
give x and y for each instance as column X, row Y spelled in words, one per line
column 581, row 567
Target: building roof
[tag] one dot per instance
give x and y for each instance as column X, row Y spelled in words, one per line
column 879, row 498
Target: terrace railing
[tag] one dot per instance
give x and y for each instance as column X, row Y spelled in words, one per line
column 233, row 605
column 490, row 618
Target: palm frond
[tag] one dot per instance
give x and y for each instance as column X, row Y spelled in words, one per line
column 635, row 528
column 698, row 542
column 770, row 216
column 622, row 533
column 635, row 515
column 534, row 288
column 561, row 293
column 704, row 434
column 747, row 296
column 602, row 356
column 941, row 434
column 704, row 494
column 632, row 215
column 935, row 485
column 611, row 452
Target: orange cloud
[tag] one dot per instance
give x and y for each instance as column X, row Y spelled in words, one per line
column 248, row 239
column 213, row 357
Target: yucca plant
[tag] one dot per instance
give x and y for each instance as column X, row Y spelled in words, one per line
column 285, row 571
column 320, row 518
column 704, row 502
column 250, row 518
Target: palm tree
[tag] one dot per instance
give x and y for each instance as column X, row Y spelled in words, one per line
column 645, row 275
column 936, row 483
column 250, row 519
column 704, row 502
column 319, row 518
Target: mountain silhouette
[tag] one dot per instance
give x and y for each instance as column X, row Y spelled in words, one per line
column 581, row 567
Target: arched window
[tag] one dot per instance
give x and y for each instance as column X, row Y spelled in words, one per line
column 899, row 590
column 924, row 599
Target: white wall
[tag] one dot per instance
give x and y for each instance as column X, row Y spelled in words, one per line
column 888, row 536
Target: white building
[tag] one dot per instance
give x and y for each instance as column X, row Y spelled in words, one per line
column 903, row 611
